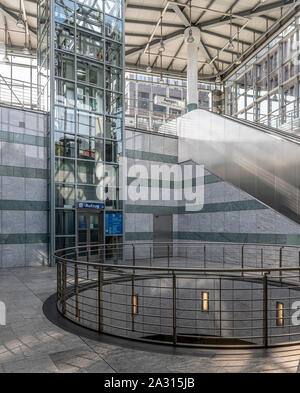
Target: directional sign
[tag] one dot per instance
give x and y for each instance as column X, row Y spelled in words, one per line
column 113, row 224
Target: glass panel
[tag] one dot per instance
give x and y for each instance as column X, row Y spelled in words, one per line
column 90, row 149
column 64, row 93
column 114, row 54
column 113, row 7
column 113, row 28
column 114, row 80
column 90, row 193
column 90, row 124
column 90, row 99
column 64, row 11
column 113, row 128
column 82, row 222
column 114, row 104
column 64, row 242
column 91, row 73
column 65, row 67
column 110, row 151
column 64, row 145
column 64, row 195
column 64, row 119
column 89, row 172
column 65, row 223
column 89, row 19
column 90, row 46
column 64, row 170
column 65, row 38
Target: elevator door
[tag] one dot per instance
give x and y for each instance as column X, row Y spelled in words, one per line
column 90, row 232
column 162, row 233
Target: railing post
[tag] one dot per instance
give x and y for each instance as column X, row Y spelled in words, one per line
column 100, row 300
column 76, row 292
column 58, row 271
column 204, row 256
column 242, row 261
column 299, row 265
column 132, row 302
column 88, row 261
column 262, row 258
column 280, row 263
column 265, row 310
column 168, row 256
column 150, row 256
column 133, row 257
column 64, row 288
column 174, row 310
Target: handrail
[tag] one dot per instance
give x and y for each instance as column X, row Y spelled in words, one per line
column 159, row 298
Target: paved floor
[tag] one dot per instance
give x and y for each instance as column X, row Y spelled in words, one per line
column 31, row 343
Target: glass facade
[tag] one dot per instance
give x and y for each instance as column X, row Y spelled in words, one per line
column 266, row 89
column 84, row 90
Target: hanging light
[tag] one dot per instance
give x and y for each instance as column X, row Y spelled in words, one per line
column 238, row 61
column 161, row 42
column 231, row 46
column 191, row 38
column 149, row 68
column 161, row 46
column 20, row 20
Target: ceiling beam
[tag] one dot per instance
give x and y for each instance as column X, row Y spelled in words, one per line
column 155, row 42
column 262, row 9
column 10, row 15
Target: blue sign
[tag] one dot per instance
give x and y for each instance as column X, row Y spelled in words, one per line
column 113, row 224
column 91, row 205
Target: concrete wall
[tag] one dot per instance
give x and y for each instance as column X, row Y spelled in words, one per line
column 23, row 188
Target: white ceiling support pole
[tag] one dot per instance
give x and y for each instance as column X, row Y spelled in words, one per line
column 192, row 41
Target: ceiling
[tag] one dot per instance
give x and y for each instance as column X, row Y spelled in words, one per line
column 18, row 37
column 250, row 23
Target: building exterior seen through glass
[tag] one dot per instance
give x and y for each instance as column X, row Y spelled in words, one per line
column 266, row 89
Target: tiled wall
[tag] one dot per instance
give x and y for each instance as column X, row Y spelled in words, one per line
column 23, row 188
column 228, row 215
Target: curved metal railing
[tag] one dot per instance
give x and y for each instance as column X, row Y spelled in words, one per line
column 191, row 293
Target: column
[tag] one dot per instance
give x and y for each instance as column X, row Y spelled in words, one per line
column 192, row 40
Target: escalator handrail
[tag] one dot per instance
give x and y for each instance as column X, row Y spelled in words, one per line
column 263, row 128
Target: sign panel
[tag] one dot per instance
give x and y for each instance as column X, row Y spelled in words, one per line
column 91, row 205
column 169, row 102
column 114, row 224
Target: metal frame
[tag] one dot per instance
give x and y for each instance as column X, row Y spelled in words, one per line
column 170, row 297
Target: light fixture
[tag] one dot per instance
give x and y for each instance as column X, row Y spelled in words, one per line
column 191, row 38
column 161, row 42
column 149, row 68
column 205, row 300
column 161, row 46
column 20, row 20
column 230, row 46
column 135, row 309
column 279, row 314
column 218, row 79
column 238, row 61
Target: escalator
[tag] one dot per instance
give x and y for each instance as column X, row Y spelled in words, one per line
column 261, row 161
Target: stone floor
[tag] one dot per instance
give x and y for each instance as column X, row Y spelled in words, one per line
column 31, row 343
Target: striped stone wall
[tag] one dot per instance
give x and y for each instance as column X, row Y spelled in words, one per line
column 23, row 188
column 228, row 215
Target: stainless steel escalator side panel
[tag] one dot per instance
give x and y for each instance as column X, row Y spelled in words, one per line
column 259, row 161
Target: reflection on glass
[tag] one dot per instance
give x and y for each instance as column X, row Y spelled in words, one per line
column 90, row 124
column 64, row 170
column 89, row 172
column 65, row 222
column 64, row 195
column 89, row 193
column 64, row 145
